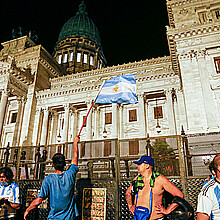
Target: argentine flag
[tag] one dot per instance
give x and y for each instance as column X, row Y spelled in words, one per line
column 120, row 89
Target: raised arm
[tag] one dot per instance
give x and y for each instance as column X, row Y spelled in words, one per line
column 75, row 151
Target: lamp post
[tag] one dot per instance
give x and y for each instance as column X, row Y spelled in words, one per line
column 59, row 139
column 104, row 134
column 158, row 128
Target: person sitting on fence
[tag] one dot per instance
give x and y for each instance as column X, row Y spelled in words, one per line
column 9, row 194
column 59, row 187
column 148, row 188
column 209, row 197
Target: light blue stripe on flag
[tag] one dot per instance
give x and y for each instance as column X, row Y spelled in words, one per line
column 120, row 89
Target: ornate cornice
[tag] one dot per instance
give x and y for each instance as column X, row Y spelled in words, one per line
column 176, row 3
column 119, row 68
column 86, row 85
column 174, row 33
column 44, row 63
column 193, row 54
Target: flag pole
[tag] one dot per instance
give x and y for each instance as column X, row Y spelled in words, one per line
column 91, row 107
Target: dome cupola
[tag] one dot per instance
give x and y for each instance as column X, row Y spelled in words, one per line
column 79, row 45
column 80, row 25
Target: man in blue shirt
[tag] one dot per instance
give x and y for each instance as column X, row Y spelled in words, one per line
column 60, row 188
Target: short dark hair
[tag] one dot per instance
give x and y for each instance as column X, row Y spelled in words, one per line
column 216, row 162
column 211, row 166
column 7, row 173
column 59, row 161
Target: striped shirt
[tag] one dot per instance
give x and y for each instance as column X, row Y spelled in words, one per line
column 209, row 199
column 11, row 193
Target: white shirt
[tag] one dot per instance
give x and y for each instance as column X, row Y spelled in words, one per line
column 209, row 199
column 11, row 193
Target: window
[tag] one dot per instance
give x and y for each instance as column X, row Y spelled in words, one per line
column 78, row 57
column 91, row 60
column 14, row 117
column 108, row 118
column 217, row 14
column 83, row 150
column 203, row 17
column 65, row 58
column 71, row 56
column 60, row 58
column 107, row 148
column 158, row 112
column 85, row 58
column 217, row 64
column 132, row 115
column 133, row 147
column 160, row 139
column 98, row 64
column 83, row 121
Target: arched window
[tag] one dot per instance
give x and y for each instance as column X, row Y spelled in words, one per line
column 91, row 61
column 59, row 58
column 78, row 57
column 85, row 58
column 71, row 56
column 65, row 58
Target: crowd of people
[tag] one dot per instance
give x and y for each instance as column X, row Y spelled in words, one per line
column 144, row 196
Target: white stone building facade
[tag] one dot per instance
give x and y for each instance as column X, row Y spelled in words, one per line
column 42, row 104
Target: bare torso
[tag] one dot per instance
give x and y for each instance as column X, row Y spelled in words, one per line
column 144, row 196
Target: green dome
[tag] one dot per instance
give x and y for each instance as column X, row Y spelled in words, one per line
column 80, row 24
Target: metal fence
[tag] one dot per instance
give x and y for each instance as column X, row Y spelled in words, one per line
column 108, row 164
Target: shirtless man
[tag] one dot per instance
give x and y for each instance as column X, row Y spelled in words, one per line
column 145, row 167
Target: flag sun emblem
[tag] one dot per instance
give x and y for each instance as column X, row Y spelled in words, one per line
column 115, row 89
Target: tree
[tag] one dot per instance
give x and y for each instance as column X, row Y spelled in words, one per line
column 166, row 161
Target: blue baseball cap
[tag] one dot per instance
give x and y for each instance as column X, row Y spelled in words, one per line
column 145, row 159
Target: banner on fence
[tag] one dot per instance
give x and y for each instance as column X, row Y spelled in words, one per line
column 94, row 204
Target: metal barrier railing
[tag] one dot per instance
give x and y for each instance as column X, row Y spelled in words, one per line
column 173, row 156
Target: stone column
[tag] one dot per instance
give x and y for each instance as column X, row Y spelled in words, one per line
column 147, row 106
column 44, row 127
column 97, row 123
column 3, row 105
column 208, row 96
column 170, row 111
column 115, row 120
column 37, row 127
column 18, row 119
column 88, row 147
column 28, row 119
column 66, row 123
column 121, row 132
column 142, row 116
column 89, row 123
column 54, row 125
column 182, row 109
column 75, row 122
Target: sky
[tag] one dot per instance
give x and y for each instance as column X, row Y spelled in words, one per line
column 130, row 30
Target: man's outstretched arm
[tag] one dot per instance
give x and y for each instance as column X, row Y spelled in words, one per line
column 75, row 151
column 36, row 202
